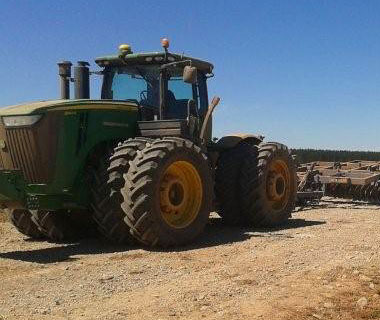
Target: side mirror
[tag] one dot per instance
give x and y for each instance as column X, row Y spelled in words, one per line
column 190, row 74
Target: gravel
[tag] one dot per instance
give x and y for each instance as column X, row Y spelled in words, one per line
column 323, row 264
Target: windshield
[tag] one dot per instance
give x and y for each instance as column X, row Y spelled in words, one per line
column 137, row 83
column 140, row 84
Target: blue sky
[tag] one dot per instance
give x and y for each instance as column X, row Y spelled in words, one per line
column 306, row 73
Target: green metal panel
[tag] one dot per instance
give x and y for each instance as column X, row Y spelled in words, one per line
column 49, row 105
column 85, row 126
column 12, row 186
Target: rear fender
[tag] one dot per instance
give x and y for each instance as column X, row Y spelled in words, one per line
column 231, row 141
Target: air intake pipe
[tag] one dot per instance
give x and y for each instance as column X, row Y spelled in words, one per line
column 65, row 75
column 82, row 80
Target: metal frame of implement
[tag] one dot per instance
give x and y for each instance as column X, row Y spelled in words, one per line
column 356, row 180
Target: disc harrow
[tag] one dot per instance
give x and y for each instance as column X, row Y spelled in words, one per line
column 355, row 180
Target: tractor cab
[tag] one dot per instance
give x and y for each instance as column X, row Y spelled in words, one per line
column 169, row 89
column 164, row 85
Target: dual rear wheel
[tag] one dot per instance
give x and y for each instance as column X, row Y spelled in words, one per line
column 256, row 185
column 164, row 190
column 158, row 192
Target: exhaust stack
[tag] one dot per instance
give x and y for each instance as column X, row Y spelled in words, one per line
column 82, row 80
column 65, row 75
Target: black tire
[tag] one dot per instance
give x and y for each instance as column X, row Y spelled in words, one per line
column 258, row 187
column 58, row 226
column 106, row 181
column 22, row 221
column 228, row 186
column 146, row 182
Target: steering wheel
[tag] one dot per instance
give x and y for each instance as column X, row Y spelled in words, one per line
column 144, row 95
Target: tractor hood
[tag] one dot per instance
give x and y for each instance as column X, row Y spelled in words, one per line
column 55, row 105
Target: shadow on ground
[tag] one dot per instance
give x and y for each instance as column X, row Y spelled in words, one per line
column 65, row 252
column 215, row 234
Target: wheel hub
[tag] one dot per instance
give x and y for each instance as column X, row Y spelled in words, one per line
column 172, row 194
column 180, row 194
column 278, row 184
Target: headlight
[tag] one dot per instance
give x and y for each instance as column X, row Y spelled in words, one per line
column 20, row 121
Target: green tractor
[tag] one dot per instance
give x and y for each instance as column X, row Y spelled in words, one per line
column 140, row 163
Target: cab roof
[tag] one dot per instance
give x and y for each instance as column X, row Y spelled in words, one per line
column 150, row 58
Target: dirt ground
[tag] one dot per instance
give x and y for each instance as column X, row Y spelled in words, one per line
column 324, row 264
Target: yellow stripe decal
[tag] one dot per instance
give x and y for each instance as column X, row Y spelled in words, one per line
column 94, row 107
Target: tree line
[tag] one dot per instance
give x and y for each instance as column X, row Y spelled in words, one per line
column 310, row 155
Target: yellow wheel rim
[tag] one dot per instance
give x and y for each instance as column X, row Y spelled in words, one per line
column 278, row 185
column 180, row 194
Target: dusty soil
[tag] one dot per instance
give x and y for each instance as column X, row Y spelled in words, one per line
column 324, row 264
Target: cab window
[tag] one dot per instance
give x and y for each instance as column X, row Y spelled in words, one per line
column 178, row 95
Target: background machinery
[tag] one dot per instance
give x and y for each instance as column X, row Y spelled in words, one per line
column 356, row 180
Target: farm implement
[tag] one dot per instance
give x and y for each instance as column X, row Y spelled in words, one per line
column 357, row 180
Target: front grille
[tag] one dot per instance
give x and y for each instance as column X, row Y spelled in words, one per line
column 24, row 153
column 32, row 150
